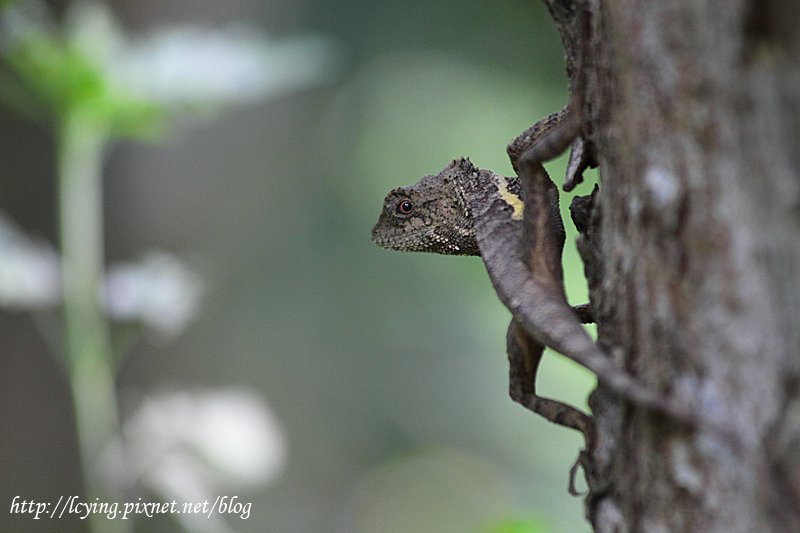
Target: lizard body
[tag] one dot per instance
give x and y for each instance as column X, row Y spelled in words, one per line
column 464, row 210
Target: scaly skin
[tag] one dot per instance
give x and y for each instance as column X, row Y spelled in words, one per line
column 515, row 226
column 438, row 214
column 434, row 214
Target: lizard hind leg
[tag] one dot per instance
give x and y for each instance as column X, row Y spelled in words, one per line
column 524, row 355
column 545, row 314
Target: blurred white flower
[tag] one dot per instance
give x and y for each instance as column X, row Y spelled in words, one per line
column 29, row 270
column 159, row 291
column 190, row 65
column 133, row 83
column 193, row 446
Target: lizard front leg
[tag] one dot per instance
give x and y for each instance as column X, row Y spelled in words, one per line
column 550, row 136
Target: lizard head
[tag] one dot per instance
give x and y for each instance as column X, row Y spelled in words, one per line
column 432, row 215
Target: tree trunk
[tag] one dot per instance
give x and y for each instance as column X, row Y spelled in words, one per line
column 693, row 260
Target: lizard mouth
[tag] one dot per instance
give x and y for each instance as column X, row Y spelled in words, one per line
column 379, row 236
column 384, row 237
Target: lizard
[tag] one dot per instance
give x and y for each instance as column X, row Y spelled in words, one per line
column 437, row 215
column 514, row 225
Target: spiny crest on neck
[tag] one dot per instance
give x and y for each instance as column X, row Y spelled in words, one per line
column 467, row 176
column 462, row 164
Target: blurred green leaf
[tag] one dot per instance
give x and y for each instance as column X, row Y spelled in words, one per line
column 53, row 76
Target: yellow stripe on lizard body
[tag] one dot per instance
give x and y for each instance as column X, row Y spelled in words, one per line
column 510, row 198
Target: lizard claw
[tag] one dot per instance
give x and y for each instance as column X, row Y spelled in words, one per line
column 581, row 157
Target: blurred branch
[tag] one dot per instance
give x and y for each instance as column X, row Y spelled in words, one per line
column 80, row 145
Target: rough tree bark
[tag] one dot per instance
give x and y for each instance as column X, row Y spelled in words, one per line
column 693, row 259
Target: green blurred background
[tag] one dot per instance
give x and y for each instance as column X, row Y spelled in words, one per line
column 386, row 371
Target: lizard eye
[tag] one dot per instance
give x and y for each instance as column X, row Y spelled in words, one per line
column 405, row 207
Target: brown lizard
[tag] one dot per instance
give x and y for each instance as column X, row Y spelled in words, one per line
column 463, row 210
column 514, row 224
